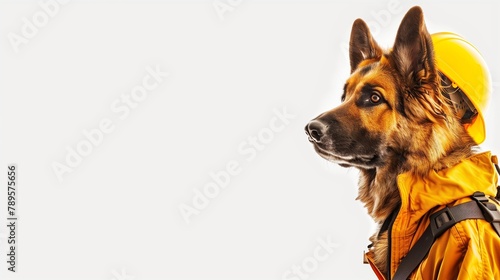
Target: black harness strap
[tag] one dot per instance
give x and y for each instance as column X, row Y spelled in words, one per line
column 441, row 221
column 495, row 162
column 389, row 220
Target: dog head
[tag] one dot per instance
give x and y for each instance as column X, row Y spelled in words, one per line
column 392, row 108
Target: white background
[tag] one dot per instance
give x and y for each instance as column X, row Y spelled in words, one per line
column 116, row 215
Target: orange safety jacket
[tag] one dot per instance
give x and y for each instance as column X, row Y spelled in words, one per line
column 468, row 250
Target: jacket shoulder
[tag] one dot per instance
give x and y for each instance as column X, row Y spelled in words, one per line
column 468, row 250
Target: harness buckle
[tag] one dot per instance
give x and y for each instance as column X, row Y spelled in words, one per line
column 490, row 211
column 441, row 221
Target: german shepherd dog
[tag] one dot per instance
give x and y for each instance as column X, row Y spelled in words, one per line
column 393, row 119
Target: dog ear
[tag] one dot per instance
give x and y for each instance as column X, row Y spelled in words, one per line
column 413, row 55
column 362, row 45
column 413, row 51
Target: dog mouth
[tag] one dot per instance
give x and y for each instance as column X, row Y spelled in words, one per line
column 364, row 161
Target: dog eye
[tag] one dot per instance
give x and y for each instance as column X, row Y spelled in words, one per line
column 375, row 98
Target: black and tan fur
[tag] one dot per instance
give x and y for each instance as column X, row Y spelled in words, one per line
column 393, row 119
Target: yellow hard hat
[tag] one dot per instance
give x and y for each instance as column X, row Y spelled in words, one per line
column 466, row 69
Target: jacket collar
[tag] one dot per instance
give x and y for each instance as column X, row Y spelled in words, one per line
column 476, row 173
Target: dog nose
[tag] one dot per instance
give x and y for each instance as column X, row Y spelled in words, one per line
column 315, row 130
